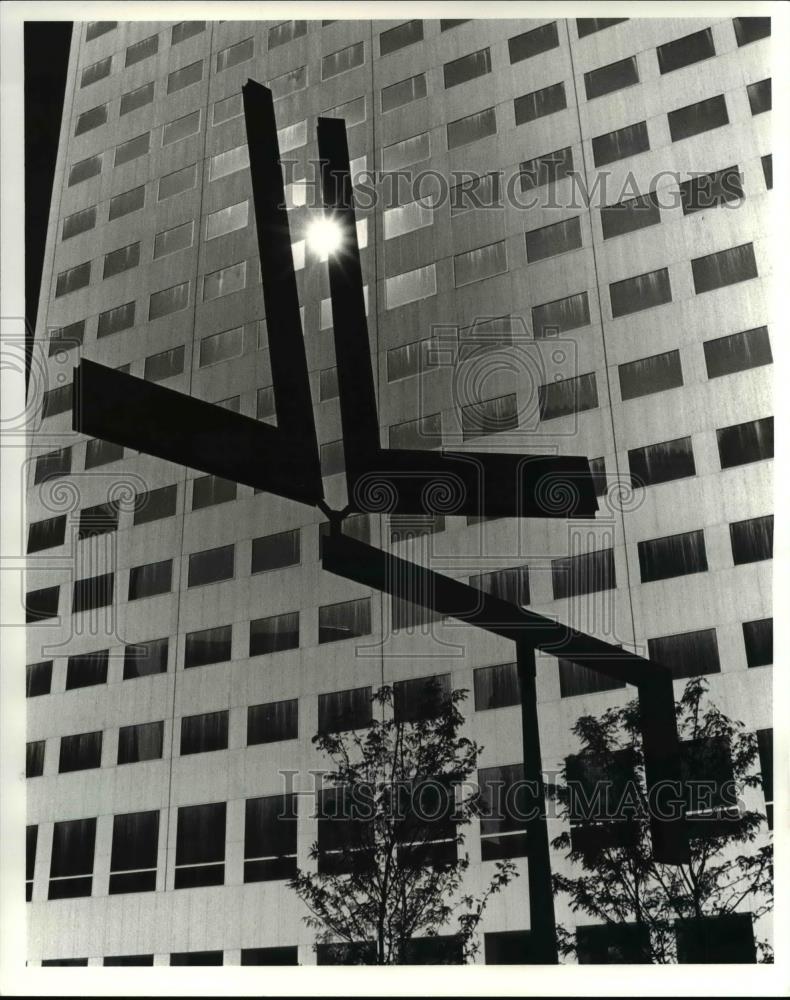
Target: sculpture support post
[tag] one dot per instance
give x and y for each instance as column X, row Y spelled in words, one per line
column 543, row 932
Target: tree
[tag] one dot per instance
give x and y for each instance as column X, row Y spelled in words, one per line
column 620, row 884
column 390, row 872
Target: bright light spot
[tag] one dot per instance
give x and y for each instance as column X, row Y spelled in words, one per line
column 324, row 237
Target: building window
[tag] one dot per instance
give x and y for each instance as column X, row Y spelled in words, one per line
column 727, row 267
column 560, row 315
column 180, row 180
column 481, row 263
column 234, row 54
column 129, row 201
column 38, row 677
column 264, row 403
column 765, row 745
column 71, row 867
column 150, row 579
column 115, row 320
column 287, row 31
column 99, row 452
column 355, row 526
column 168, row 301
column 225, row 281
column 406, row 219
column 173, row 240
column 759, row 96
column 221, row 346
column 155, row 505
column 85, row 169
column 282, row 955
column 166, row 364
column 200, row 846
column 134, row 99
column 121, row 260
column 119, row 960
column 273, row 722
column 273, row 634
column 96, row 28
column 79, row 222
column 661, row 463
column 31, row 842
column 93, row 592
column 270, row 838
column 142, row 50
column 468, row 67
column 546, row 169
column 740, row 444
column 672, row 555
column 728, row 938
column 738, row 352
column 696, row 118
column 687, row 654
column 685, row 51
column 96, row 71
column 549, row 241
column 507, row 948
column 711, row 190
column 406, row 152
column 343, row 60
column 399, row 37
column 751, row 29
column 41, row 604
column 141, row 742
column 587, row 573
column 614, row 76
column 98, row 520
column 539, row 103
column 623, row 142
column 288, row 83
column 341, row 711
column 445, row 24
column 204, row 733
column 409, row 359
column 230, row 107
column 132, row 149
column 57, row 401
column 570, row 395
column 403, row 92
column 52, row 464
column 227, row 220
column 477, row 192
column 752, row 540
column 186, row 29
column 80, row 752
column 417, row 435
column 630, row 215
column 208, row 491
column 209, row 645
column 758, row 639
column 211, row 566
column 410, row 286
column 344, row 620
column 184, row 77
column 344, row 834
column 576, row 679
column 145, row 658
column 589, row 25
column 352, row 112
column 502, row 818
column 532, row 43
column 73, row 279
column 768, row 171
column 66, row 337
column 496, row 686
column 87, row 669
column 196, row 957
column 34, row 758
column 421, row 698
column 46, row 534
column 463, row 131
column 490, row 416
column 615, row 943
column 648, row 375
column 327, row 384
column 292, row 136
column 135, row 844
column 510, row 585
column 276, row 551
column 640, row 292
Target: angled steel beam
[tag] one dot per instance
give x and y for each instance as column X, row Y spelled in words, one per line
column 468, row 482
column 382, row 571
column 129, row 411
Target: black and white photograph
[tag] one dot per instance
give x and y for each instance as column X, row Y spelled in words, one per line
column 387, row 455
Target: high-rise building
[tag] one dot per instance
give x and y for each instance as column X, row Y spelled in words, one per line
column 567, row 254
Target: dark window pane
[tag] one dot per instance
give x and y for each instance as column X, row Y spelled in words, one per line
column 85, row 169
column 759, row 96
column 98, row 520
column 141, row 742
column 648, row 375
column 196, row 957
column 400, row 36
column 640, row 292
column 286, row 32
column 583, row 574
column 210, row 645
column 71, row 867
column 344, row 620
column 278, row 632
column 346, row 953
column 660, row 463
column 588, row 25
column 275, row 551
column 200, row 846
column 34, row 758
column 539, row 103
column 85, row 669
column 468, row 67
column 503, row 808
column 135, row 842
column 630, row 216
column 446, row 23
column 740, row 444
column 471, row 128
column 685, row 51
column 439, row 949
column 134, row 148
column 165, row 364
column 186, row 29
column 496, row 686
column 758, row 638
column 134, row 99
column 738, row 352
column 414, row 88
column 576, row 679
column 510, row 585
column 79, row 222
column 96, row 71
column 128, row 960
column 283, row 955
column 414, row 435
column 274, row 721
column 145, row 658
column 752, row 540
column 570, row 395
column 155, row 504
column 46, row 534
column 270, row 838
column 77, row 753
column 129, row 201
column 548, row 241
column 237, row 53
column 569, row 313
column 185, row 77
column 57, row 401
column 66, row 962
column 67, row 337
column 421, row 698
column 711, row 190
column 101, row 453
column 687, row 654
column 508, row 948
column 613, row 944
column 344, row 710
column 627, row 141
column 38, row 679
column 52, row 464
column 115, row 320
column 727, row 267
column 142, row 50
column 532, row 43
column 546, row 169
column 720, row 939
column 342, row 60
column 768, row 170
column 491, row 416
column 95, row 592
column 41, row 604
column 751, row 29
column 696, row 118
column 211, row 566
column 615, row 76
column 204, row 733
column 673, row 555
column 765, row 744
